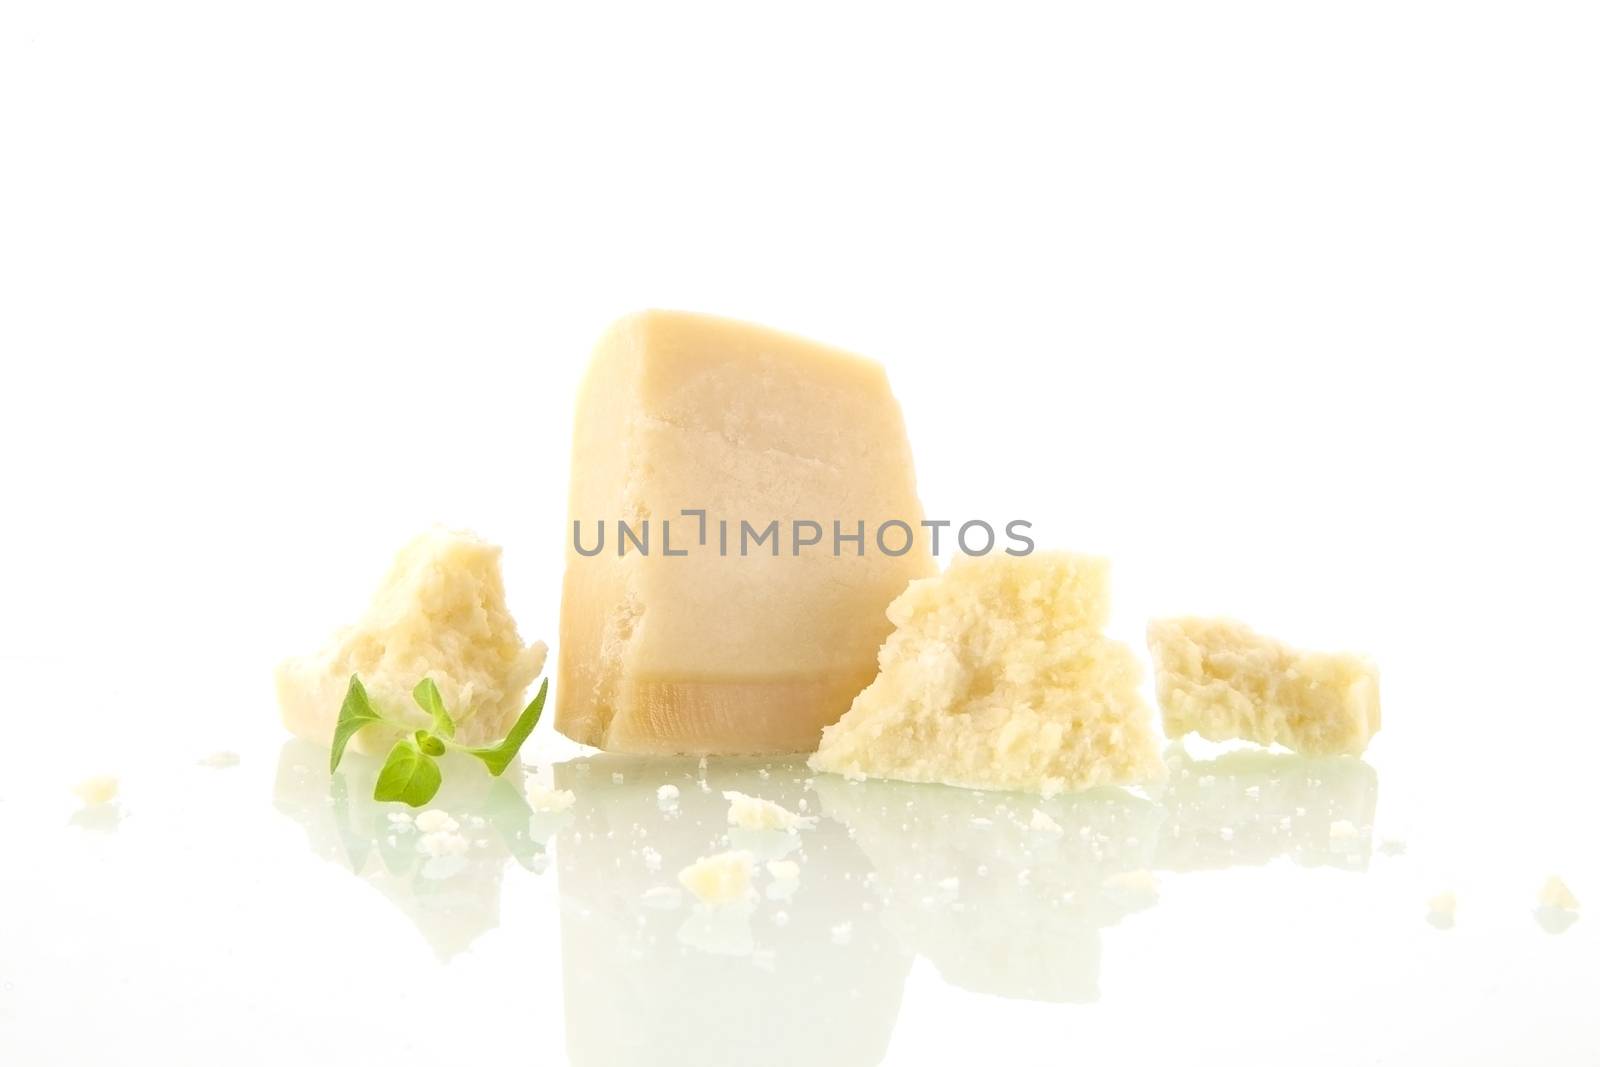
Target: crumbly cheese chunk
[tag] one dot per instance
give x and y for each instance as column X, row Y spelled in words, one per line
column 545, row 800
column 98, row 789
column 1443, row 905
column 720, row 879
column 441, row 614
column 1555, row 894
column 755, row 813
column 733, row 647
column 1219, row 679
column 997, row 677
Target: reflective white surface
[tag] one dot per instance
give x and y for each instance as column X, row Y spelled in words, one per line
column 1257, row 905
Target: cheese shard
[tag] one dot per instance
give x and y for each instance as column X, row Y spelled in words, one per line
column 720, row 879
column 998, row 677
column 1219, row 679
column 441, row 614
column 733, row 648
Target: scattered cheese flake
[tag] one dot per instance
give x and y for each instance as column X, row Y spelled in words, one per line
column 951, row 885
column 841, row 933
column 220, row 760
column 1555, row 894
column 442, row 843
column 667, row 795
column 400, row 817
column 1043, row 823
column 1342, row 830
column 545, row 800
column 754, row 813
column 784, row 870
column 617, row 778
column 100, row 789
column 1443, row 906
column 665, row 897
column 780, row 918
column 652, row 858
column 435, row 821
column 720, row 879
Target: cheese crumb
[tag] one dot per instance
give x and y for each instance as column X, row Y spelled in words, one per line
column 754, row 813
column 667, row 795
column 442, row 843
column 1555, row 894
column 652, row 858
column 435, row 821
column 720, row 879
column 784, row 870
column 1043, row 823
column 219, row 761
column 1442, row 908
column 100, row 789
column 545, row 800
column 1342, row 830
column 841, row 934
column 664, row 897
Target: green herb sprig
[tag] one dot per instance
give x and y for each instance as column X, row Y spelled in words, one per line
column 411, row 772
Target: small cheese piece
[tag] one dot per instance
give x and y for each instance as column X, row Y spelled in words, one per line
column 720, row 879
column 754, row 813
column 783, row 870
column 96, row 790
column 441, row 614
column 688, row 429
column 1555, row 894
column 1043, row 823
column 1217, row 678
column 997, row 677
column 1442, row 908
column 547, row 801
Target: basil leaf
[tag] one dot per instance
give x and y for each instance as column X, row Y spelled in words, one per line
column 426, row 694
column 355, row 714
column 408, row 775
column 498, row 757
column 428, row 743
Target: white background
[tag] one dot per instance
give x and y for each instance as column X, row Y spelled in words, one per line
column 1289, row 308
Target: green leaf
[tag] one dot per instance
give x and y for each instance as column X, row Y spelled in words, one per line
column 498, row 757
column 409, row 775
column 428, row 743
column 355, row 714
column 426, row 694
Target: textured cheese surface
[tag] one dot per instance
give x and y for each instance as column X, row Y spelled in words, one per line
column 1219, row 679
column 440, row 613
column 711, row 653
column 997, row 677
column 756, row 813
column 720, row 879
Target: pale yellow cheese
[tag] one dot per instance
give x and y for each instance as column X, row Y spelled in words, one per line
column 1219, row 679
column 720, row 879
column 743, row 652
column 440, row 613
column 997, row 677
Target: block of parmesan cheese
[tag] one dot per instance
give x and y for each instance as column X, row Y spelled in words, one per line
column 998, row 676
column 1221, row 680
column 440, row 613
column 726, row 646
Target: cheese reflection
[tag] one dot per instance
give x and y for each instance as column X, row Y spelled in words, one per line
column 1000, row 900
column 804, row 974
column 451, row 898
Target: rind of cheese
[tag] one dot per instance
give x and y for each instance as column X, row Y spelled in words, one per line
column 720, row 879
column 441, row 614
column 755, row 813
column 1223, row 681
column 730, row 653
column 997, row 677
